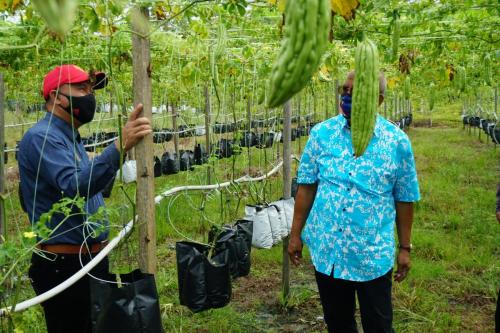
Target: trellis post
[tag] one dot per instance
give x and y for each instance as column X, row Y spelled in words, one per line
column 207, row 128
column 336, row 92
column 176, row 135
column 3, row 229
column 144, row 149
column 287, row 188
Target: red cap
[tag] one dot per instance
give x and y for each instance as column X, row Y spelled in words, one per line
column 69, row 74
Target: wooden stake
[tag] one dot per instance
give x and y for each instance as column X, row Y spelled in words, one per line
column 144, row 149
column 3, row 228
column 287, row 189
column 249, row 128
column 176, row 135
column 337, row 100
column 207, row 129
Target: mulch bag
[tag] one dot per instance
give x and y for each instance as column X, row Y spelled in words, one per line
column 204, row 283
column 133, row 308
column 237, row 240
column 268, row 229
column 286, row 211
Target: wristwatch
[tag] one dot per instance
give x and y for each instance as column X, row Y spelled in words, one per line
column 407, row 248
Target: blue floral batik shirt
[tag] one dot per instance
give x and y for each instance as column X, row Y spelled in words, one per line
column 350, row 227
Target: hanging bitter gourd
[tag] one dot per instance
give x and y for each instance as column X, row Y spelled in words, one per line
column 59, row 15
column 365, row 95
column 487, row 69
column 305, row 40
column 407, row 88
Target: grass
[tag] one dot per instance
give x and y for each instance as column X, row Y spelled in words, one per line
column 453, row 283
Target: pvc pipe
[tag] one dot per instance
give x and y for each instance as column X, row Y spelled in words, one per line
column 73, row 279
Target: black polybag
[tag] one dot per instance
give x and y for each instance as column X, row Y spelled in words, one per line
column 203, row 283
column 169, row 163
column 237, row 240
column 200, row 155
column 133, row 308
column 157, row 167
column 187, row 160
column 5, row 154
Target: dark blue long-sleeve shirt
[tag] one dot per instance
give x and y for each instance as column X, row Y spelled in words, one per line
column 54, row 164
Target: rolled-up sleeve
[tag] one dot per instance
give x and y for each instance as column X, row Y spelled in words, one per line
column 57, row 164
column 308, row 168
column 406, row 187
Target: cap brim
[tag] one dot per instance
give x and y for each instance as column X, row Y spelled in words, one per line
column 101, row 80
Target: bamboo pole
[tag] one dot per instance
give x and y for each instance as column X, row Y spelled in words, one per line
column 287, row 189
column 144, row 149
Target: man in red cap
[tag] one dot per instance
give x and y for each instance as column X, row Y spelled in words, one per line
column 53, row 165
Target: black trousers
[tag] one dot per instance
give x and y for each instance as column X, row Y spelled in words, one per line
column 339, row 305
column 68, row 311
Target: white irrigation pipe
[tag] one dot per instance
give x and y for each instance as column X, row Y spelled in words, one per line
column 112, row 244
column 243, row 179
column 73, row 279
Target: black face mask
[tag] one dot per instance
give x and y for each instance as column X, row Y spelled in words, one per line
column 83, row 107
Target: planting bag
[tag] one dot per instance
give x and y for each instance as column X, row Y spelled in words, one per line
column 157, row 167
column 204, row 283
column 169, row 163
column 133, row 308
column 268, row 228
column 237, row 240
column 129, row 172
column 286, row 212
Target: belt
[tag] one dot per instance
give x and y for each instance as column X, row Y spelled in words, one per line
column 72, row 248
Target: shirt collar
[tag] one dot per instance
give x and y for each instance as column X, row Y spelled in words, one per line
column 63, row 126
column 378, row 128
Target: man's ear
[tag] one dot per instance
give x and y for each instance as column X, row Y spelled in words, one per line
column 55, row 98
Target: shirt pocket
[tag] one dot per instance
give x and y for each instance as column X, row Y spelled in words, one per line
column 376, row 175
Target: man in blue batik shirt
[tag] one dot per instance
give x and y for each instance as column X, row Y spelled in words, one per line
column 53, row 165
column 345, row 212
